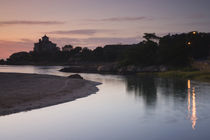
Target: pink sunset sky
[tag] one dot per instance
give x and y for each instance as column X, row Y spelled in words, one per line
column 92, row 23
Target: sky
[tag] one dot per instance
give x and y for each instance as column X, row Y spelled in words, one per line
column 92, row 23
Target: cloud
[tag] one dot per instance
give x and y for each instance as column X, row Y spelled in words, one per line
column 193, row 25
column 25, row 22
column 198, row 16
column 200, row 23
column 121, row 19
column 79, row 32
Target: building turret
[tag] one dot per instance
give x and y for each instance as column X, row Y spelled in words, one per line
column 45, row 46
column 45, row 38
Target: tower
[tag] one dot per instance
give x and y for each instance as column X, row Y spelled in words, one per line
column 45, row 46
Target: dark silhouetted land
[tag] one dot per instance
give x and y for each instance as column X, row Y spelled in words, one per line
column 153, row 54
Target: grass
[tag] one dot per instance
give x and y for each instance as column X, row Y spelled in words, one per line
column 192, row 75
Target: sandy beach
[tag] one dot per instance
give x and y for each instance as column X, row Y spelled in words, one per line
column 23, row 92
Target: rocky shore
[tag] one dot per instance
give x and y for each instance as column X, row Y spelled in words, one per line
column 112, row 68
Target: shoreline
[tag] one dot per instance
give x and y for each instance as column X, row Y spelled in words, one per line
column 113, row 68
column 24, row 92
column 200, row 76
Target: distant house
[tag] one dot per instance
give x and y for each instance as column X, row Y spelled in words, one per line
column 45, row 46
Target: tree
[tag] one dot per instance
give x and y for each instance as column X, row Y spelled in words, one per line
column 67, row 48
column 173, row 50
column 20, row 58
column 151, row 37
column 2, row 62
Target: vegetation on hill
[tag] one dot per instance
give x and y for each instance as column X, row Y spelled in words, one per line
column 177, row 50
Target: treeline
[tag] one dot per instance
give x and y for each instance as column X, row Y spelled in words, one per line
column 172, row 50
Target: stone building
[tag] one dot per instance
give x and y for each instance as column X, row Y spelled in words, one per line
column 45, row 46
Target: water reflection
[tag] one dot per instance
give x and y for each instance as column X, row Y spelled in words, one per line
column 192, row 116
column 189, row 103
column 149, row 88
column 160, row 106
column 144, row 87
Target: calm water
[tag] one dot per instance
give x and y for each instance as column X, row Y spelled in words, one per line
column 125, row 108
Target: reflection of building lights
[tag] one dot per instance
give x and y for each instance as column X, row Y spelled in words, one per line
column 194, row 115
column 193, row 110
column 188, row 107
column 189, row 86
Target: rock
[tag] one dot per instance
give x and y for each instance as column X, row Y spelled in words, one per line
column 76, row 76
column 139, row 69
column 80, row 69
column 74, row 69
column 131, row 69
column 202, row 65
column 163, row 68
column 107, row 68
column 104, row 68
column 150, row 69
column 121, row 70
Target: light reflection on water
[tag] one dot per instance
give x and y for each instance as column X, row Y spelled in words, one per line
column 194, row 114
column 126, row 107
column 189, row 103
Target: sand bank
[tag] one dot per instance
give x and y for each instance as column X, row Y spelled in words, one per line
column 22, row 92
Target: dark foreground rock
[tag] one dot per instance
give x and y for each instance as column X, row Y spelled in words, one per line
column 76, row 76
column 80, row 69
column 114, row 69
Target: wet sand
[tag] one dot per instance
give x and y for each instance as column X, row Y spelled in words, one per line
column 23, row 92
